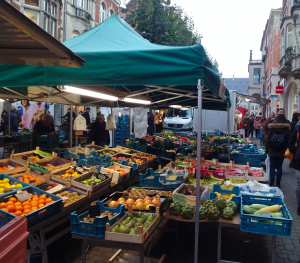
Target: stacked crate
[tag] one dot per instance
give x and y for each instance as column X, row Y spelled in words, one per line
column 121, row 133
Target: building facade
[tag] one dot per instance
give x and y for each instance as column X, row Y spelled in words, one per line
column 289, row 68
column 270, row 48
column 76, row 16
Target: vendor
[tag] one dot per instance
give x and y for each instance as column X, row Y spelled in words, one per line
column 98, row 132
column 13, row 122
column 41, row 127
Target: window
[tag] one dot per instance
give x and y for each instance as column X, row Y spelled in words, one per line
column 102, row 12
column 111, row 12
column 32, row 2
column 75, row 33
column 47, row 5
column 252, row 107
column 282, row 44
column 289, row 35
column 256, row 76
column 87, row 5
column 32, row 15
column 256, row 107
column 46, row 22
column 291, row 5
column 53, row 10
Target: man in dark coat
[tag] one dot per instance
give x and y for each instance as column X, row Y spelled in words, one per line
column 86, row 115
column 13, row 122
column 41, row 127
column 296, row 118
column 98, row 132
column 150, row 124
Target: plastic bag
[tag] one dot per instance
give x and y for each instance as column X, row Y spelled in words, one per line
column 110, row 123
column 256, row 188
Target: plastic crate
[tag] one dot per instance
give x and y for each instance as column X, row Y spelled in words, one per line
column 97, row 228
column 254, row 160
column 5, row 217
column 90, row 162
column 235, row 190
column 47, row 142
column 150, row 178
column 77, row 156
column 134, row 168
column 138, row 147
column 13, row 241
column 2, row 176
column 170, row 184
column 249, row 222
column 40, row 214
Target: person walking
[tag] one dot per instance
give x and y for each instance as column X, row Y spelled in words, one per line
column 150, row 124
column 13, row 122
column 251, row 127
column 278, row 139
column 86, row 115
column 98, row 132
column 246, row 124
column 257, row 125
column 265, row 129
column 296, row 118
column 157, row 126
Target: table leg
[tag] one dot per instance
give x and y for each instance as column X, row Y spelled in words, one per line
column 273, row 249
column 83, row 251
column 177, row 228
column 142, row 252
column 44, row 247
column 219, row 242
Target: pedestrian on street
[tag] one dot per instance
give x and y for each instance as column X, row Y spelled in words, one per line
column 257, row 125
column 278, row 139
column 296, row 118
column 282, row 111
column 246, row 124
column 265, row 129
column 86, row 115
column 98, row 132
column 294, row 147
column 150, row 124
column 251, row 126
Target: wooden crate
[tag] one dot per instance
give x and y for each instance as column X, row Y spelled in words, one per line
column 259, row 179
column 15, row 170
column 120, row 254
column 139, row 238
column 28, row 171
column 116, row 176
column 58, row 167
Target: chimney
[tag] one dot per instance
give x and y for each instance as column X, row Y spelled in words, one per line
column 250, row 55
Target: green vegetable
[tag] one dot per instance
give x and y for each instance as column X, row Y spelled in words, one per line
column 257, row 206
column 248, row 210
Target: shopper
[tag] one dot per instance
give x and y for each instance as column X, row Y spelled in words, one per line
column 14, row 110
column 251, row 127
column 13, row 125
column 86, row 115
column 265, row 129
column 296, row 160
column 42, row 127
column 246, row 124
column 296, row 118
column 3, row 114
column 48, row 113
column 27, row 117
column 68, row 114
column 157, row 123
column 257, row 125
column 278, row 139
column 98, row 132
column 150, row 124
column 282, row 111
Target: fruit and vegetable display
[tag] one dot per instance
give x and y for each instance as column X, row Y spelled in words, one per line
column 131, row 223
column 7, row 185
column 254, row 172
column 70, row 197
column 95, row 179
column 225, row 196
column 18, row 208
column 72, row 171
column 142, row 193
column 107, row 152
column 8, row 167
column 186, row 211
column 227, row 186
column 121, row 172
column 139, row 204
column 29, row 179
column 238, row 181
column 46, row 187
column 33, row 157
column 219, row 207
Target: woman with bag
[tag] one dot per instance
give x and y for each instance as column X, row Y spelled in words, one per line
column 257, row 125
column 278, row 139
column 294, row 149
column 246, row 124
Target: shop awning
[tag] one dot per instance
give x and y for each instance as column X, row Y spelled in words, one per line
column 117, row 56
column 23, row 42
column 251, row 99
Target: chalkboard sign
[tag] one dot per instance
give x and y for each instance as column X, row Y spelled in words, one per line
column 94, row 210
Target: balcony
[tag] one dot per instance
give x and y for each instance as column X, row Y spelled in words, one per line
column 83, row 14
column 286, row 63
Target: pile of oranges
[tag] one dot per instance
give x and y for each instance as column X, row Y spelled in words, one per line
column 17, row 208
column 29, row 179
column 8, row 167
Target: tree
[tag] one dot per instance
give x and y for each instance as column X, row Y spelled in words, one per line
column 162, row 23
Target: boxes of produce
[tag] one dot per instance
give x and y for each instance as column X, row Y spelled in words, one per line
column 134, row 167
column 78, row 153
column 30, row 156
column 91, row 181
column 54, row 162
column 93, row 222
column 5, row 216
column 257, row 174
column 133, row 227
column 90, row 162
column 107, row 152
column 150, row 178
column 38, row 206
column 70, row 196
column 29, row 177
column 235, row 173
column 125, row 257
column 170, row 180
column 185, row 194
column 8, row 166
column 117, row 172
column 231, row 195
column 141, row 192
column 94, row 147
column 9, row 184
column 265, row 215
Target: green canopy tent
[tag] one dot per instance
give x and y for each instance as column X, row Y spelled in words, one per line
column 116, row 56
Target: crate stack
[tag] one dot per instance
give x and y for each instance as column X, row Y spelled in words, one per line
column 121, row 133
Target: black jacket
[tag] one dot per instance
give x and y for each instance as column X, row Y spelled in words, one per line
column 96, row 133
column 40, row 129
column 86, row 115
column 293, row 124
column 292, row 147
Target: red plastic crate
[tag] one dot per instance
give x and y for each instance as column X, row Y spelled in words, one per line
column 13, row 241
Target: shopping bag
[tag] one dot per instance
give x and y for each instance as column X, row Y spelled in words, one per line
column 259, row 136
column 288, row 154
column 268, row 164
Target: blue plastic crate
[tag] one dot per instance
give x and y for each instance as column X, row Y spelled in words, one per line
column 235, row 135
column 170, row 184
column 153, row 180
column 5, row 217
column 138, row 147
column 90, row 162
column 249, row 223
column 134, row 168
column 26, row 137
column 69, row 155
column 253, row 159
column 47, row 142
column 235, row 190
column 97, row 228
column 12, row 179
column 40, row 214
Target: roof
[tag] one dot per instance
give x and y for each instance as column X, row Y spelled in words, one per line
column 240, row 85
column 117, row 56
column 251, row 99
column 23, row 42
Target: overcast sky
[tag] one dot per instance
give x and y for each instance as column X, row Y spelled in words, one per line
column 230, row 29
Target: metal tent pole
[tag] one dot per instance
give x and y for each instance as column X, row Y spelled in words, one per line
column 71, row 126
column 130, row 121
column 228, row 131
column 112, row 132
column 9, row 118
column 198, row 169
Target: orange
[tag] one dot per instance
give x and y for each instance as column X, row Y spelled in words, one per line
column 33, row 208
column 10, row 203
column 5, row 209
column 26, row 181
column 25, row 203
column 48, row 200
column 13, row 199
column 29, row 200
column 27, row 207
column 41, row 205
column 18, row 213
column 42, row 201
column 3, row 205
column 18, row 203
column 34, row 203
column 35, row 199
column 26, row 211
column 37, row 179
column 30, row 194
column 19, row 208
column 121, row 198
column 4, row 168
column 25, row 176
column 42, row 197
column 17, row 166
column 11, row 208
column 22, row 215
column 1, row 169
column 35, row 196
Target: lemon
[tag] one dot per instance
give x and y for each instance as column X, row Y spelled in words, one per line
column 19, row 186
column 13, row 186
column 0, row 181
column 5, row 180
column 7, row 185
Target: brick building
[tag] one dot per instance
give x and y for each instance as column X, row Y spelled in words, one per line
column 270, row 48
column 81, row 15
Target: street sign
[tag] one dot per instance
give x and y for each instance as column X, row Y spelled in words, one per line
column 279, row 90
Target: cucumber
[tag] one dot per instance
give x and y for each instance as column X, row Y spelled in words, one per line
column 273, row 214
column 248, row 210
column 258, row 206
column 270, row 222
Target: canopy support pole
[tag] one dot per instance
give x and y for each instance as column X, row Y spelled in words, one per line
column 9, row 110
column 112, row 132
column 130, row 122
column 228, row 131
column 76, row 136
column 71, row 126
column 200, row 88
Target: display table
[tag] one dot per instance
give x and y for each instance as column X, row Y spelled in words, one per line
column 234, row 222
column 12, row 146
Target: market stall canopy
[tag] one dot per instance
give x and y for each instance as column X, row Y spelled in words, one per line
column 251, row 99
column 23, row 42
column 118, row 56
